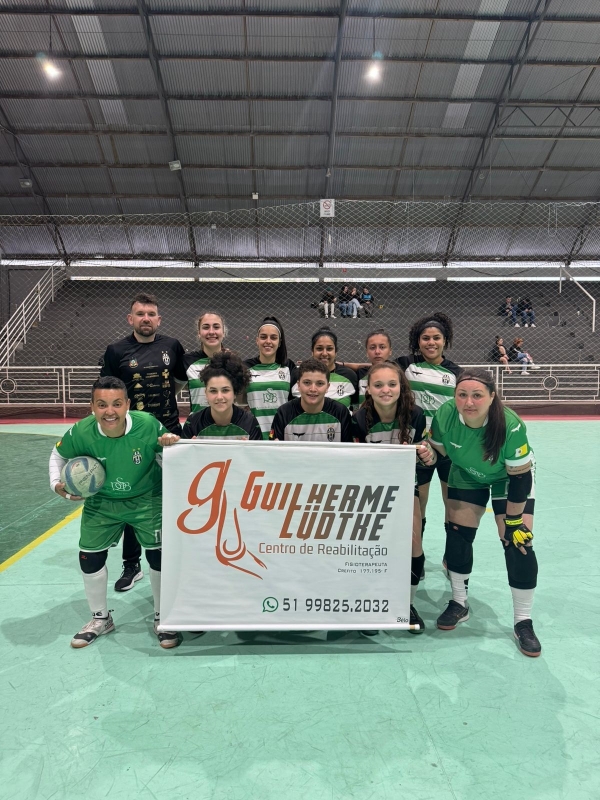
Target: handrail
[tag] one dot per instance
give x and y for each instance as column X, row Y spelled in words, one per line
column 14, row 333
column 585, row 291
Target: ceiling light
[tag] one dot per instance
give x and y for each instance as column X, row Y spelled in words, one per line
column 174, row 166
column 374, row 73
column 25, row 183
column 51, row 70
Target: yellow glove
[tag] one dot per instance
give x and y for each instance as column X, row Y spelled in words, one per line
column 515, row 530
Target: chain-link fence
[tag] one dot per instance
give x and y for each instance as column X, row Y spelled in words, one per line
column 414, row 258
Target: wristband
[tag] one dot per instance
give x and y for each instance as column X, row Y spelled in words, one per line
column 67, row 495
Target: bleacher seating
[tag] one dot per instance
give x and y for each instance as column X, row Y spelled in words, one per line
column 87, row 315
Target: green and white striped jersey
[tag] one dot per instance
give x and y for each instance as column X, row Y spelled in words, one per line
column 343, row 385
column 387, row 432
column 194, row 363
column 268, row 390
column 362, row 384
column 201, row 425
column 293, row 424
column 432, row 384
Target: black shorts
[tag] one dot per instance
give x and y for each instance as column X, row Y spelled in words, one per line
column 425, row 474
column 480, row 497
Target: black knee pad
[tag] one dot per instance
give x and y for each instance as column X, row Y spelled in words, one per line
column 92, row 562
column 423, row 523
column 416, row 569
column 522, row 569
column 154, row 558
column 459, row 548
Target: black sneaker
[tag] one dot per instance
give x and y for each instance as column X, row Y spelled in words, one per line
column 166, row 639
column 415, row 619
column 454, row 614
column 132, row 572
column 369, row 633
column 527, row 642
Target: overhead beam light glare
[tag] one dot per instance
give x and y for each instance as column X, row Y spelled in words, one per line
column 374, row 73
column 51, row 70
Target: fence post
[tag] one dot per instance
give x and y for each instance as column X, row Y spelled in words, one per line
column 64, row 392
column 52, row 280
column 24, row 327
column 39, row 294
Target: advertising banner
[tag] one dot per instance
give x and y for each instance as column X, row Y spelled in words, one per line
column 286, row 536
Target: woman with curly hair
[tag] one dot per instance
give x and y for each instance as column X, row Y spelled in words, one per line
column 432, row 377
column 224, row 377
column 389, row 414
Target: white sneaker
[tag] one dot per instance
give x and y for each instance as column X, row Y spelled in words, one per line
column 533, row 325
column 517, row 325
column 96, row 627
column 526, row 325
column 326, row 316
column 534, row 366
column 333, row 316
column 524, row 372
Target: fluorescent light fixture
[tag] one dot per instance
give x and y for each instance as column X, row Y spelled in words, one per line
column 255, row 265
column 51, row 70
column 382, row 265
column 128, row 278
column 84, row 262
column 479, row 279
column 505, row 265
column 373, row 279
column 175, row 166
column 583, row 279
column 256, row 280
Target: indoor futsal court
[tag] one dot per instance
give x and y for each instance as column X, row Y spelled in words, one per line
column 319, row 225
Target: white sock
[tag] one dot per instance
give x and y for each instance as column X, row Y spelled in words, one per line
column 155, row 584
column 522, row 603
column 413, row 592
column 460, row 585
column 96, row 586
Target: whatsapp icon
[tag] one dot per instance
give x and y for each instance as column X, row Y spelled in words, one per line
column 270, row 604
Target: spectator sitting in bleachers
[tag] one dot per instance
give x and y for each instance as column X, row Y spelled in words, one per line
column 517, row 354
column 344, row 302
column 499, row 353
column 527, row 313
column 327, row 303
column 508, row 310
column 368, row 301
column 354, row 304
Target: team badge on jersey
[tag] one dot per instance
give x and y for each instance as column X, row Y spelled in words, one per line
column 445, row 380
column 139, row 406
column 271, row 434
column 521, row 451
column 269, row 397
column 133, row 363
column 281, row 374
column 340, row 389
column 330, row 434
column 166, row 358
column 137, row 457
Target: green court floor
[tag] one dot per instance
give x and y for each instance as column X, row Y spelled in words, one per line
column 458, row 715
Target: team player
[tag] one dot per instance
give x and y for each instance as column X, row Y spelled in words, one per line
column 151, row 367
column 432, row 377
column 378, row 345
column 224, row 377
column 488, row 447
column 343, row 383
column 211, row 332
column 313, row 417
column 389, row 415
column 127, row 443
column 271, row 374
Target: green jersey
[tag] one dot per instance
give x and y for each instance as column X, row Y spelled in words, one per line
column 432, row 384
column 129, row 460
column 194, row 363
column 268, row 390
column 293, row 424
column 465, row 445
column 201, row 425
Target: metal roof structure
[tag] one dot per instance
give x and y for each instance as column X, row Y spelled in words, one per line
column 296, row 100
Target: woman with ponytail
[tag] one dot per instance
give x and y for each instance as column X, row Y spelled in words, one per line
column 488, row 447
column 271, row 374
column 389, row 415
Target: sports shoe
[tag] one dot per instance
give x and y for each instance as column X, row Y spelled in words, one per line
column 415, row 619
column 534, row 366
column 333, row 316
column 454, row 614
column 524, row 372
column 166, row 639
column 527, row 642
column 131, row 573
column 517, row 325
column 96, row 627
column 533, row 325
column 369, row 633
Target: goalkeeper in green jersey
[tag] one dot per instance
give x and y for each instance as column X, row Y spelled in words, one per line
column 128, row 444
column 488, row 447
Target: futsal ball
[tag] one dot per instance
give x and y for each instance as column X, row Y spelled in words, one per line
column 83, row 476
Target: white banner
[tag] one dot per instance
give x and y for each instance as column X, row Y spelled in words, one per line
column 286, row 536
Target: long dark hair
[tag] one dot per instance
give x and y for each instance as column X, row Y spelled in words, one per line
column 495, row 430
column 379, row 332
column 227, row 365
column 324, row 331
column 435, row 320
column 281, row 356
column 404, row 406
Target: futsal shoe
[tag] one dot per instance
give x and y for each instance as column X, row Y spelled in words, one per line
column 455, row 613
column 415, row 619
column 166, row 639
column 131, row 573
column 527, row 642
column 369, row 633
column 96, row 627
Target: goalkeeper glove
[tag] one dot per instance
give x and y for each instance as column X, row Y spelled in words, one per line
column 515, row 530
